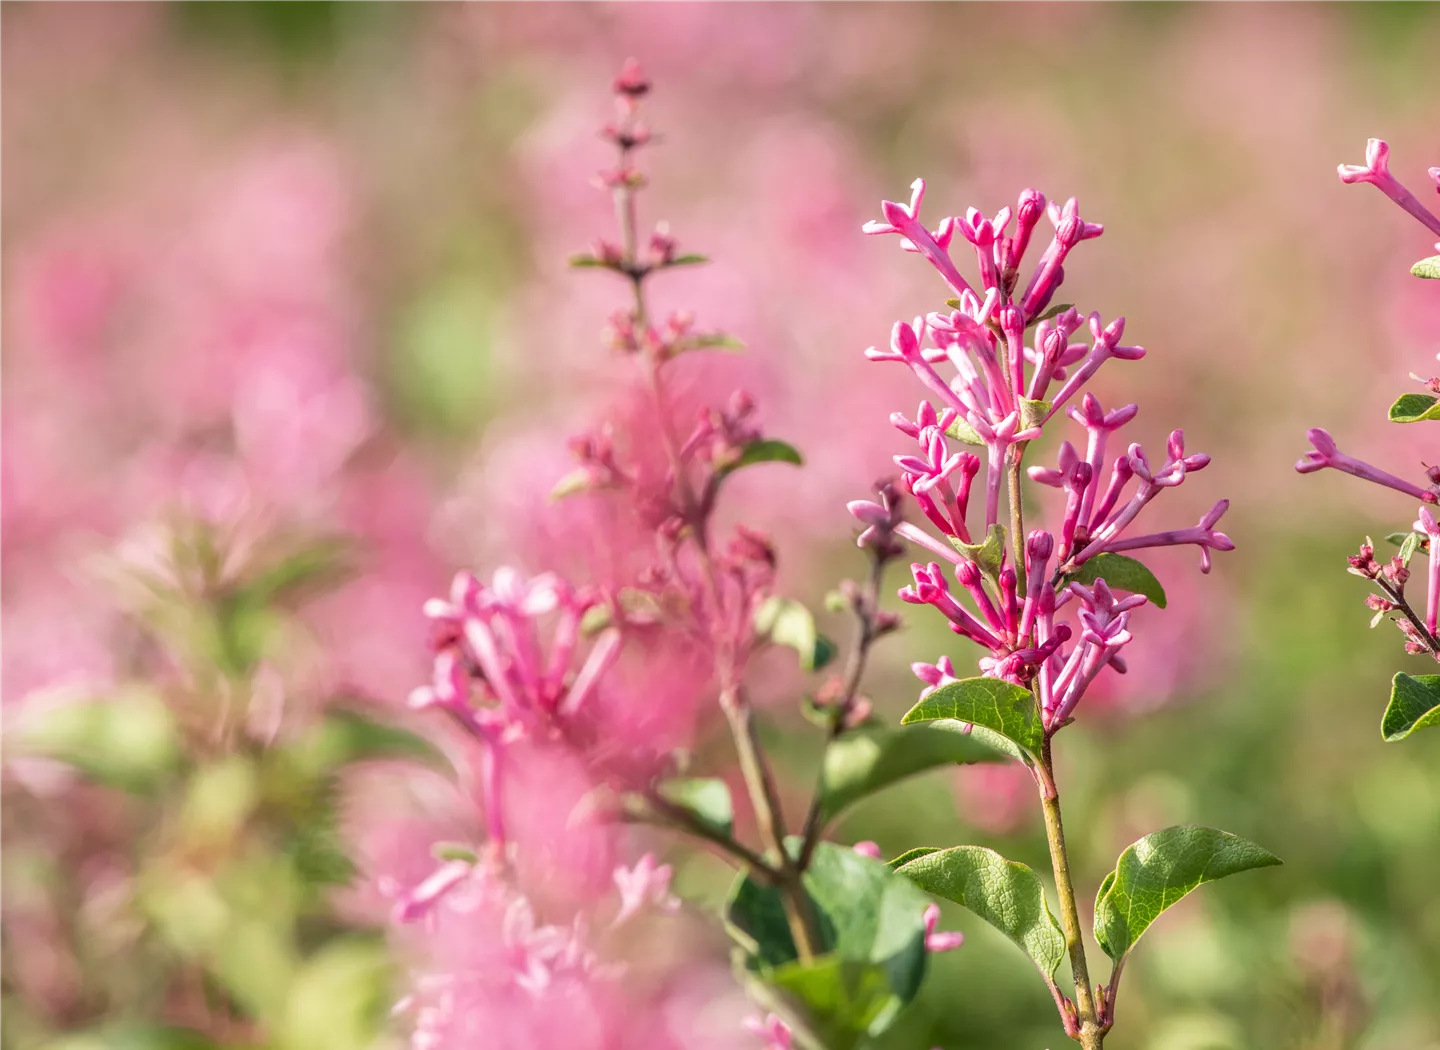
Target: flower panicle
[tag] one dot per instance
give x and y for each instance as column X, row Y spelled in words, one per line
column 997, row 367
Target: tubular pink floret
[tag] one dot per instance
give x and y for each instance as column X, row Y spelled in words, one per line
column 1326, row 454
column 1376, row 171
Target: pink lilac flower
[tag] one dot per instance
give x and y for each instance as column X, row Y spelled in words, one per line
column 1376, row 171
column 770, row 1028
column 647, row 884
column 937, row 941
column 1003, row 387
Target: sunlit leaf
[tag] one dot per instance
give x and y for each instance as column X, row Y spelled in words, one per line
column 787, row 622
column 1414, row 704
column 999, row 706
column 1121, row 573
column 874, row 756
column 1158, row 870
column 1413, row 408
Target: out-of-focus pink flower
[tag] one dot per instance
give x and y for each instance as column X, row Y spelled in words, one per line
column 647, row 884
column 770, row 1028
column 937, row 941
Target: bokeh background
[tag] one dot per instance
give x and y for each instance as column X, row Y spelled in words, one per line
column 285, row 294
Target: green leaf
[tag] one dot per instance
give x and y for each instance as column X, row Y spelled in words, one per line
column 963, row 432
column 707, row 799
column 1412, row 408
column 347, row 735
column 785, row 621
column 1408, row 546
column 1054, row 311
column 134, row 1037
column 989, row 554
column 584, row 260
column 1157, row 871
column 448, row 851
column 912, row 854
column 1427, row 268
column 766, row 450
column 874, row 756
column 872, row 928
column 576, row 481
column 711, row 341
column 1121, row 573
column 1414, row 704
column 129, row 740
column 688, row 260
column 1006, row 894
column 339, row 999
column 1032, row 412
column 996, row 705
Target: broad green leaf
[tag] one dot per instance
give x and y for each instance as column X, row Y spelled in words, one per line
column 871, row 923
column 1427, row 268
column 129, row 740
column 999, row 706
column 1006, row 894
column 874, row 756
column 1157, row 871
column 1032, row 412
column 1414, row 704
column 707, row 799
column 1412, row 408
column 989, row 554
column 134, row 1037
column 963, row 432
column 1122, row 574
column 787, row 622
column 912, row 854
column 766, row 450
column 339, row 999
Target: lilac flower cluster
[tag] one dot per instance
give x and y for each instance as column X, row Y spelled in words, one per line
column 1017, row 364
column 1422, row 632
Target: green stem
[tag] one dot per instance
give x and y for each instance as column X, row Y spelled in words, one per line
column 1091, row 1033
column 1017, row 516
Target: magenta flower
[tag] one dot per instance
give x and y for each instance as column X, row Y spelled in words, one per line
column 647, row 884
column 774, row 1031
column 1376, row 171
column 1427, row 525
column 1326, row 454
column 936, row 941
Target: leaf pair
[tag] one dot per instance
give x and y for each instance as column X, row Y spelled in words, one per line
column 1149, row 877
column 872, row 927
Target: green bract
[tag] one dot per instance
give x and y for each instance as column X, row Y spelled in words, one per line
column 1157, row 871
column 1414, row 704
column 1006, row 894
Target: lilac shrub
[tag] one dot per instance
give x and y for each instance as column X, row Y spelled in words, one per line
column 832, row 941
column 1415, row 699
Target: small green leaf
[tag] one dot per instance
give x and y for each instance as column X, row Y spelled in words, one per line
column 128, row 740
column 1414, row 704
column 785, row 621
column 872, row 928
column 1006, row 894
column 989, row 554
column 1412, row 408
column 766, row 450
column 1427, row 268
column 1157, row 871
column 912, row 854
column 1396, row 538
column 1408, row 546
column 339, row 998
column 688, row 260
column 963, row 432
column 576, row 481
column 874, row 756
column 707, row 799
column 346, row 736
column 1121, row 573
column 1054, row 311
column 1032, row 413
column 711, row 341
column 584, row 260
column 448, row 851
column 990, row 703
column 134, row 1037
